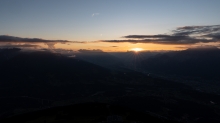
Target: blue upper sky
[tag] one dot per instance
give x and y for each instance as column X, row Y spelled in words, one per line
column 90, row 20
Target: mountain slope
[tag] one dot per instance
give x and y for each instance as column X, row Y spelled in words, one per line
column 192, row 62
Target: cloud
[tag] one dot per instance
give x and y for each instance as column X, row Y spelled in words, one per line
column 199, row 30
column 90, row 51
column 183, row 47
column 181, row 35
column 114, row 46
column 12, row 39
column 6, row 38
column 18, row 45
column 198, row 47
column 95, row 14
column 50, row 43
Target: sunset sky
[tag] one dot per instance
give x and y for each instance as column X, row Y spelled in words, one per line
column 113, row 25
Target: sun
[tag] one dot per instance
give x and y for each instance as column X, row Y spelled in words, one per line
column 136, row 49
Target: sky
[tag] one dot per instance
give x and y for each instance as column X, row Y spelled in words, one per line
column 104, row 21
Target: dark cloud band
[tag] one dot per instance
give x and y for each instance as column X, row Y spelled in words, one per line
column 181, row 35
column 6, row 38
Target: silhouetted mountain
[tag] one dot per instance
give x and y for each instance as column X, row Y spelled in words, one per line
column 132, row 59
column 193, row 62
column 6, row 54
column 103, row 59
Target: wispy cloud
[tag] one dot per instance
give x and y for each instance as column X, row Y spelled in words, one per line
column 6, row 38
column 95, row 14
column 181, row 35
column 13, row 41
column 19, row 45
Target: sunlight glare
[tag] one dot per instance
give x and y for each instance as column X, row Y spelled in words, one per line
column 136, row 49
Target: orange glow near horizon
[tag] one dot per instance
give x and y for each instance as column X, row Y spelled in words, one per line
column 104, row 46
column 118, row 47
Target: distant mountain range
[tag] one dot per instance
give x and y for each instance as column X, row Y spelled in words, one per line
column 193, row 62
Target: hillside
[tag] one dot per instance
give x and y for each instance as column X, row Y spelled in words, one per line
column 33, row 81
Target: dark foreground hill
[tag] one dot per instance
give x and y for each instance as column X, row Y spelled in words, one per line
column 86, row 113
column 33, row 81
